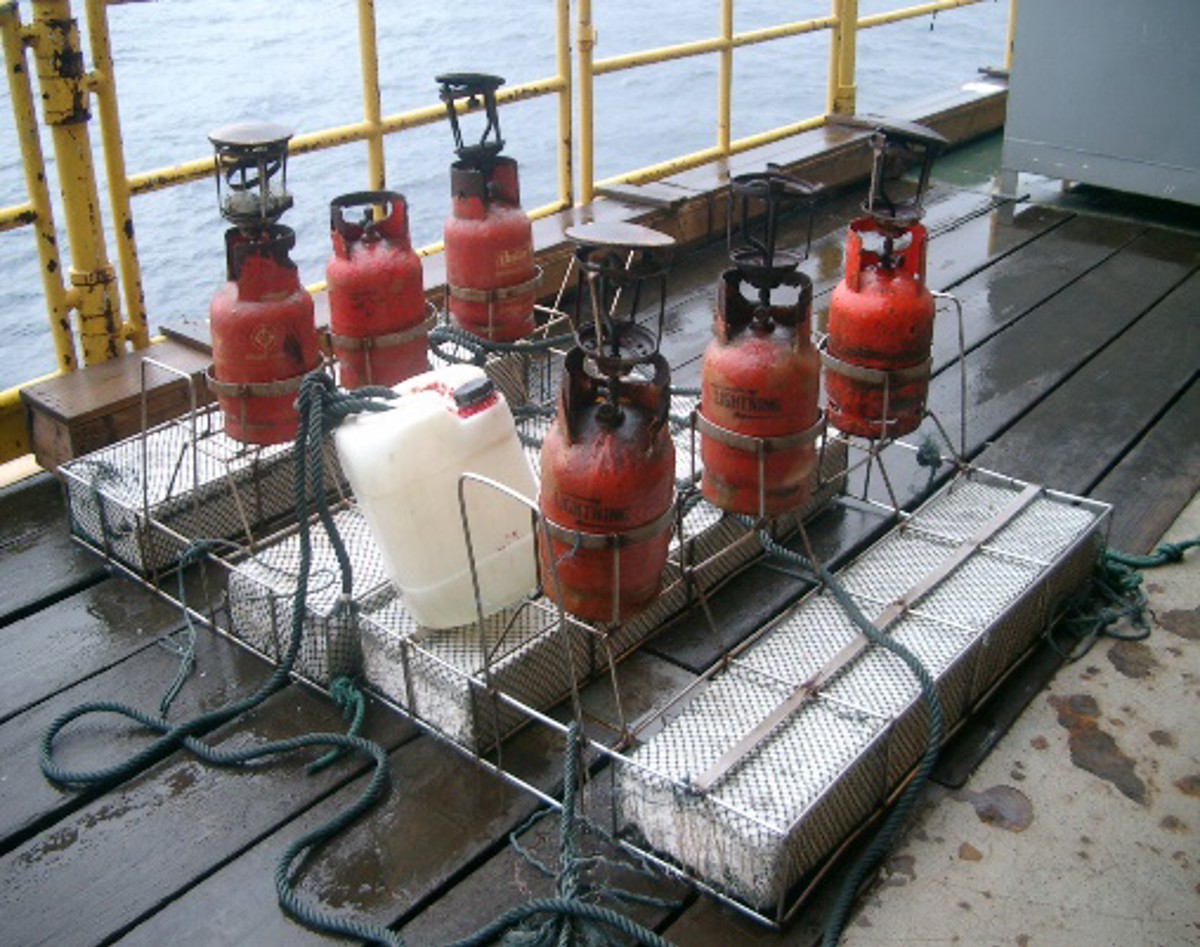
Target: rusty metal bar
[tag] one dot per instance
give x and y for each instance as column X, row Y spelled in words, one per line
column 843, row 42
column 368, row 53
column 725, row 79
column 64, row 88
column 908, row 13
column 58, row 309
column 562, row 43
column 103, row 83
column 585, row 42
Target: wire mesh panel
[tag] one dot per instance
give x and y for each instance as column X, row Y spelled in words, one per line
column 806, row 732
column 262, row 590
column 451, row 677
column 142, row 500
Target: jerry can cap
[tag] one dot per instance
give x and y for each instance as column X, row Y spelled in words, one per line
column 473, row 392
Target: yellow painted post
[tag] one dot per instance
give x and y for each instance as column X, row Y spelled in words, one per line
column 842, row 45
column 1012, row 35
column 368, row 52
column 585, row 40
column 725, row 79
column 63, row 85
column 104, row 85
column 58, row 310
column 562, row 38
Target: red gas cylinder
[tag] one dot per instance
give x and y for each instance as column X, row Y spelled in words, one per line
column 490, row 272
column 377, row 312
column 758, row 416
column 877, row 355
column 607, row 491
column 264, row 338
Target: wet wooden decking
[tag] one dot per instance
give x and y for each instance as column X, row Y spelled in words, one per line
column 1083, row 340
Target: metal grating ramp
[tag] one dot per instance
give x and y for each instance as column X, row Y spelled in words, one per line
column 806, row 732
column 142, row 500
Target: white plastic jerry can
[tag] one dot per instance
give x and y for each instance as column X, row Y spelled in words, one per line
column 404, row 466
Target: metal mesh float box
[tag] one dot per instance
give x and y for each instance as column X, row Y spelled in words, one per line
column 142, row 500
column 261, row 591
column 451, row 678
column 789, row 748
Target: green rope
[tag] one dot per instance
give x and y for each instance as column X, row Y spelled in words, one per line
column 1115, row 593
column 1163, row 554
column 882, row 841
column 567, row 918
column 321, row 407
column 349, row 698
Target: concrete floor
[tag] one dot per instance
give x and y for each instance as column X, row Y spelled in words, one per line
column 1081, row 826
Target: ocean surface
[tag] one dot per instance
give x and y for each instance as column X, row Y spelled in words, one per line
column 184, row 67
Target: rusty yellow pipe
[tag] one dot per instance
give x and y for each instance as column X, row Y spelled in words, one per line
column 775, row 134
column 562, row 42
column 585, row 42
column 372, row 114
column 18, row 215
column 58, row 311
column 699, row 47
column 198, row 168
column 664, row 168
column 104, row 85
column 717, row 44
column 725, row 79
column 908, row 13
column 1010, row 40
column 842, row 94
column 54, row 38
column 768, row 33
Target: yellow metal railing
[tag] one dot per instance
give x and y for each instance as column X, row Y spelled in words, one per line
column 89, row 291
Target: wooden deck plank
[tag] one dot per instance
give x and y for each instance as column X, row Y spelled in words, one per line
column 507, row 880
column 1098, row 413
column 224, row 672
column 172, row 826
column 1002, row 293
column 1157, row 477
column 39, row 561
column 442, row 815
column 77, row 637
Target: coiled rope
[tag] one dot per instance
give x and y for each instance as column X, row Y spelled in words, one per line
column 1115, row 593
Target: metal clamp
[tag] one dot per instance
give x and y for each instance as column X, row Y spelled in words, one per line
column 467, row 294
column 584, row 540
column 767, row 445
column 253, row 389
column 390, row 339
column 874, row 376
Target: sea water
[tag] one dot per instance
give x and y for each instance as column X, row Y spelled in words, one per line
column 185, row 67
